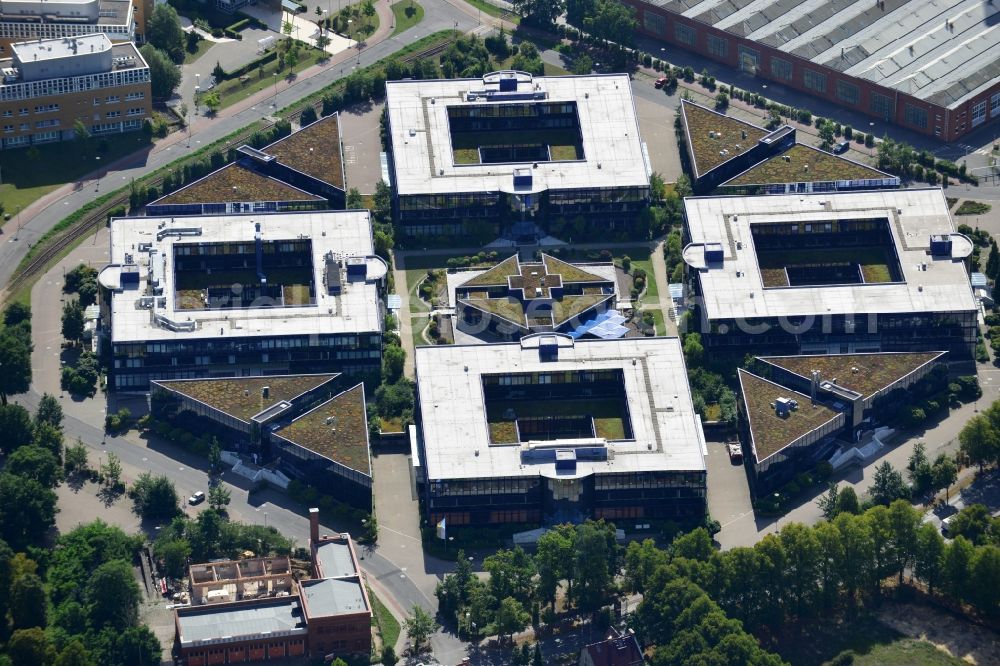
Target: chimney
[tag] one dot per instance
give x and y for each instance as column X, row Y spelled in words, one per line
column 313, row 526
column 814, row 386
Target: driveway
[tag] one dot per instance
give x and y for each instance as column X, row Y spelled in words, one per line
column 359, row 127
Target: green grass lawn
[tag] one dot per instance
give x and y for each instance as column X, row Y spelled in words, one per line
column 234, row 90
column 554, row 70
column 652, row 291
column 30, row 173
column 658, row 324
column 384, row 620
column 973, row 208
column 492, row 10
column 609, row 415
column 407, row 14
column 874, row 262
column 203, row 46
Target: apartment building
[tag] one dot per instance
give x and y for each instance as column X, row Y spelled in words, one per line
column 50, row 84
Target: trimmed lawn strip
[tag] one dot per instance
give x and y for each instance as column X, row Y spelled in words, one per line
column 658, row 324
column 493, row 10
column 387, row 624
column 234, row 90
column 652, row 291
column 609, row 415
column 203, row 46
column 874, row 262
column 407, row 14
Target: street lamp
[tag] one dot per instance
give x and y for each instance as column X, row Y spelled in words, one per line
column 274, row 102
column 97, row 180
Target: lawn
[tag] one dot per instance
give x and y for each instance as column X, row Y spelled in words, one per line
column 234, row 90
column 31, row 173
column 563, row 144
column 493, row 10
column 652, row 292
column 203, row 46
column 609, row 414
column 407, row 14
column 872, row 644
column 387, row 624
column 658, row 323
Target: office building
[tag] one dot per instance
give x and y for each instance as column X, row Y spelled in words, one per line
column 930, row 67
column 242, row 295
column 33, row 20
column 797, row 411
column 51, row 84
column 512, row 151
column 555, row 429
column 840, row 272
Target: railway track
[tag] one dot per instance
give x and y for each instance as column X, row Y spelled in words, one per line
column 92, row 220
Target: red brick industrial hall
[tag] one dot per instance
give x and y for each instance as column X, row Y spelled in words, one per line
column 931, row 67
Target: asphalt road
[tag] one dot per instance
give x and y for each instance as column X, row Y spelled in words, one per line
column 439, row 15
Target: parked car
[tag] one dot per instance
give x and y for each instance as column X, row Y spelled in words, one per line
column 197, row 498
column 735, row 453
column 841, row 147
column 660, row 82
column 946, row 525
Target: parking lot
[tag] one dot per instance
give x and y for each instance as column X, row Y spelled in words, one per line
column 729, row 498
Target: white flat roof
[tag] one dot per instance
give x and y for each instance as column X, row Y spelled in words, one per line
column 61, row 47
column 421, row 136
column 734, row 289
column 345, row 233
column 667, row 431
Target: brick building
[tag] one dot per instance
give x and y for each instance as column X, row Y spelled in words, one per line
column 253, row 610
column 48, row 85
column 26, row 20
column 930, row 67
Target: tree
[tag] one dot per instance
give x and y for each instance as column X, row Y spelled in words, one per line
column 15, row 359
column 888, row 485
column 173, row 555
column 511, row 617
column 582, row 64
column 944, row 472
column 80, row 132
column 693, row 349
column 292, row 59
column 985, row 572
column 218, row 73
column 612, row 21
column 419, row 626
column 972, row 522
column 956, row 568
column 164, row 76
column 16, row 312
column 308, row 116
column 72, row 321
column 74, row 654
column 553, row 561
column 594, row 564
column 354, row 199
column 721, row 101
column 34, row 462
column 163, row 30
column 137, row 645
column 219, row 497
column 49, row 411
column 76, row 458
column 393, row 362
column 27, row 602
column 29, row 647
column 388, row 656
column 154, row 497
column 15, row 424
column 979, row 440
column 212, row 101
column 215, row 456
column 829, row 503
column 511, row 574
column 27, row 510
column 112, row 595
column 827, row 134
column 929, row 556
column 111, row 471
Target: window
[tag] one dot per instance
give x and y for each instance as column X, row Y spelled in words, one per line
column 8, row 113
column 848, row 92
column 97, row 102
column 781, row 69
column 995, row 106
column 654, row 22
column 51, row 122
column 749, row 59
column 113, row 114
column 978, row 113
column 685, row 34
column 131, row 97
column 111, row 99
column 22, row 112
column 135, row 112
column 814, row 81
column 717, row 46
column 25, row 126
column 916, row 116
column 882, row 105
column 8, row 128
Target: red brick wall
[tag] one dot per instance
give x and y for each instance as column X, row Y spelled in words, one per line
column 952, row 125
column 342, row 634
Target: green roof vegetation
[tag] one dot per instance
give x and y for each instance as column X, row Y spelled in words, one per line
column 866, row 374
column 344, row 439
column 727, row 134
column 804, row 164
column 571, row 306
column 496, row 275
column 771, row 432
column 568, row 271
column 236, row 183
column 508, row 308
column 874, row 262
column 242, row 397
column 314, row 150
column 609, row 416
column 563, row 144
